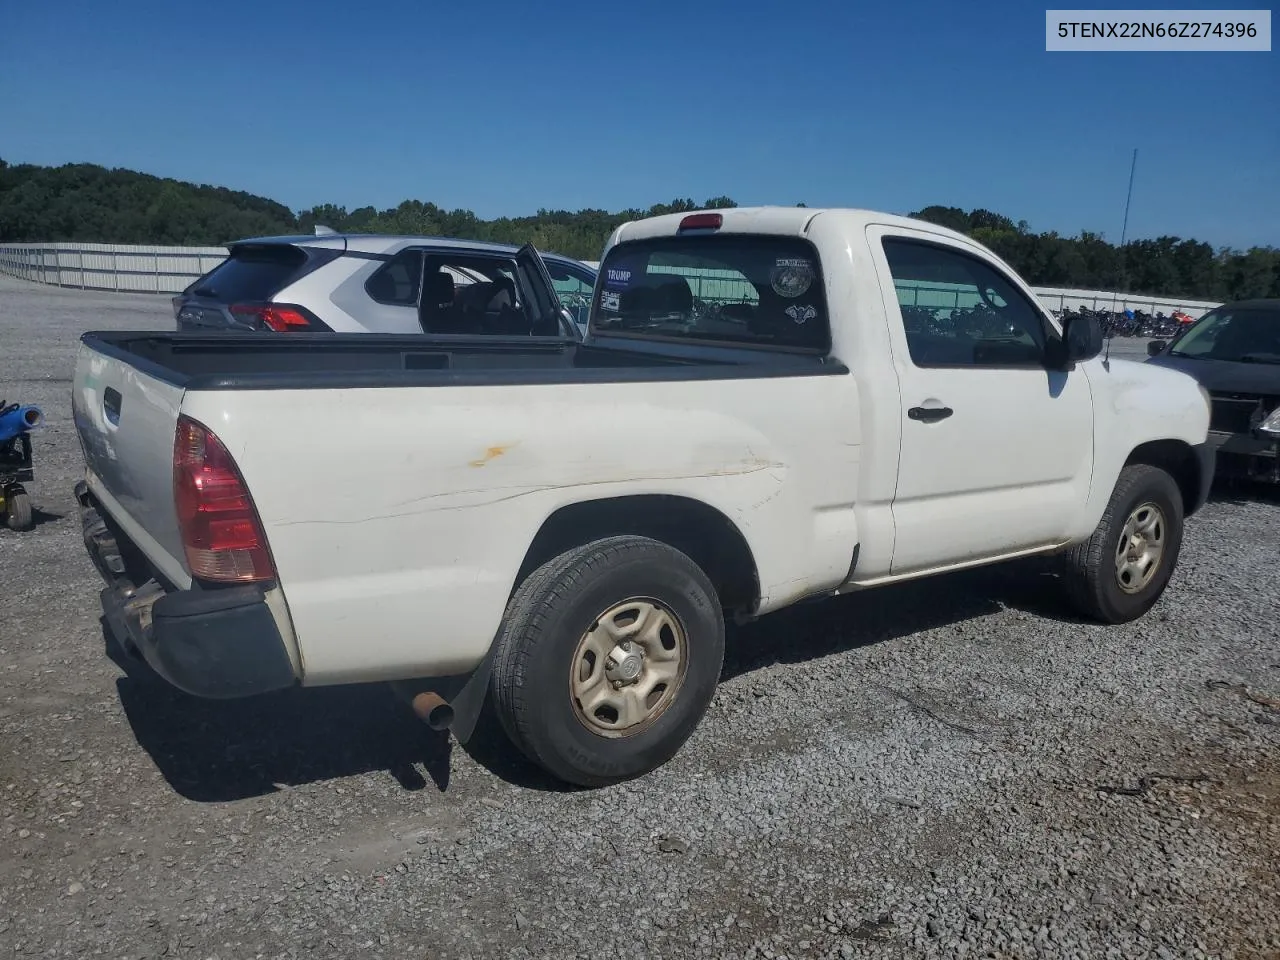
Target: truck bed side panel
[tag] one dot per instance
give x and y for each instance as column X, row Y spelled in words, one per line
column 398, row 527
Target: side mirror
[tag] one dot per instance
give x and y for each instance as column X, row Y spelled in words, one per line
column 571, row 322
column 1083, row 337
column 1156, row 347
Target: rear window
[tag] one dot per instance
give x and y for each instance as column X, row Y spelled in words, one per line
column 754, row 290
column 251, row 273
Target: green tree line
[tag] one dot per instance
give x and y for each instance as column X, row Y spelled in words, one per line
column 92, row 203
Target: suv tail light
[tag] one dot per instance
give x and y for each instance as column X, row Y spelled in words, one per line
column 280, row 317
column 221, row 533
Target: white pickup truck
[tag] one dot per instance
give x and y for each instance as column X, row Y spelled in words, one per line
column 770, row 405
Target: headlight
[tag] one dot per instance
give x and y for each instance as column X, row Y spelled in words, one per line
column 1270, row 427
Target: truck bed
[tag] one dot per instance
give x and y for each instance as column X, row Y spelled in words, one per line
column 420, row 505
column 197, row 361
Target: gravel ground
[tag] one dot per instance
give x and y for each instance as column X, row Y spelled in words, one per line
column 946, row 769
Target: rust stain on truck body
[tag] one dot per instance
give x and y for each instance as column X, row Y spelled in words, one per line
column 492, row 454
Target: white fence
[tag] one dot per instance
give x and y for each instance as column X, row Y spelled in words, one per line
column 109, row 266
column 1057, row 298
column 114, row 266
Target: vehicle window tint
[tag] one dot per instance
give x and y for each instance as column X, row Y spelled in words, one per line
column 958, row 310
column 574, row 288
column 251, row 273
column 757, row 290
column 396, row 281
column 1233, row 336
column 477, row 295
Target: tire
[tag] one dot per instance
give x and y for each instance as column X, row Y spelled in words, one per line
column 1092, row 574
column 18, row 511
column 557, row 629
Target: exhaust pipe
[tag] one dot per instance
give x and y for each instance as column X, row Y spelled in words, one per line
column 433, row 710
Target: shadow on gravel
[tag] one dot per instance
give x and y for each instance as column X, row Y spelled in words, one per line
column 811, row 630
column 808, row 631
column 215, row 751
column 1244, row 491
column 42, row 517
column 490, row 748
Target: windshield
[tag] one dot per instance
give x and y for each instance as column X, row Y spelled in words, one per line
column 756, row 290
column 1250, row 334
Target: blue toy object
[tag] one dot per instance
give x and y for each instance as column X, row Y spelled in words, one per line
column 15, row 419
column 16, row 423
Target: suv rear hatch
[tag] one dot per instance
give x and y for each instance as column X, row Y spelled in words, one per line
column 237, row 294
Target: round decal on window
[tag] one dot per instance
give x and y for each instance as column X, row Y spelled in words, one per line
column 791, row 278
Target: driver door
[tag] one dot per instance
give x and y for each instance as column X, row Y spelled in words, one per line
column 551, row 318
column 996, row 449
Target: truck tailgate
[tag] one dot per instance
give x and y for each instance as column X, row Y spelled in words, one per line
column 126, row 420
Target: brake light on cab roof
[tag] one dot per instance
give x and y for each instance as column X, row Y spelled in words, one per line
column 702, row 221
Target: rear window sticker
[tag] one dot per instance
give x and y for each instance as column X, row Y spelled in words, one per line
column 800, row 314
column 610, row 300
column 791, row 278
column 617, row 277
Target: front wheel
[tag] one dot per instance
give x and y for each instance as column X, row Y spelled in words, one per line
column 607, row 659
column 1120, row 572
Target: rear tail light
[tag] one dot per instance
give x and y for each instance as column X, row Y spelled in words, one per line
column 221, row 533
column 702, row 221
column 280, row 317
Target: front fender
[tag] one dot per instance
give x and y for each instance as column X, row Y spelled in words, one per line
column 1137, row 404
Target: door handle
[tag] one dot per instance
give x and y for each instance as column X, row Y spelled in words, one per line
column 111, row 401
column 929, row 414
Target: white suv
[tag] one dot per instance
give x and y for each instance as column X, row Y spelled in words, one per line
column 353, row 283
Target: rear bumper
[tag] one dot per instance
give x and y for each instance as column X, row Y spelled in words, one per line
column 218, row 644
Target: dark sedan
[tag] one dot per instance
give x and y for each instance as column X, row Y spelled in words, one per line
column 1234, row 351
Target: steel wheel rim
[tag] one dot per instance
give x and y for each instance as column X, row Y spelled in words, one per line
column 628, row 667
column 1140, row 548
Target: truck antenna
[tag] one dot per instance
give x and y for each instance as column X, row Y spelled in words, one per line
column 1124, row 259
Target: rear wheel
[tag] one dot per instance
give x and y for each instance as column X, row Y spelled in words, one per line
column 17, row 504
column 607, row 659
column 1120, row 572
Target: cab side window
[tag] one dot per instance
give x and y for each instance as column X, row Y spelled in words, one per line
column 959, row 311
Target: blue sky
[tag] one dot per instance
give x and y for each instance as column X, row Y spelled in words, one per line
column 506, row 107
